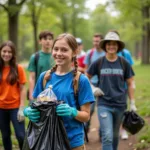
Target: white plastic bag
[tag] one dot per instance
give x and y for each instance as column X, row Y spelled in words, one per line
column 47, row 95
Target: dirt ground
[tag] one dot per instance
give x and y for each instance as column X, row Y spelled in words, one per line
column 94, row 143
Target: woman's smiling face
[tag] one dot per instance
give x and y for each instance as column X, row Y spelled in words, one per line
column 6, row 54
column 62, row 53
column 112, row 47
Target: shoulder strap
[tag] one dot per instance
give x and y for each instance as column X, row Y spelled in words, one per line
column 91, row 54
column 100, row 63
column 36, row 58
column 76, row 87
column 123, row 54
column 123, row 63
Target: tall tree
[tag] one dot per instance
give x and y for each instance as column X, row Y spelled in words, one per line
column 36, row 8
column 136, row 14
column 78, row 9
column 105, row 20
column 13, row 7
column 146, row 32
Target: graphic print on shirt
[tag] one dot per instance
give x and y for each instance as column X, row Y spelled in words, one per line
column 109, row 71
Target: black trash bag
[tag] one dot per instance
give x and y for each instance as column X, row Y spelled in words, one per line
column 49, row 133
column 132, row 122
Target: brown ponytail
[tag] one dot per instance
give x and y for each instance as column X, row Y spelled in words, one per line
column 48, row 73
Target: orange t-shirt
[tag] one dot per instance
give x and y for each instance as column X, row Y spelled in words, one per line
column 10, row 94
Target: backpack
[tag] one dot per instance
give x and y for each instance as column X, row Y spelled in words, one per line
column 75, row 88
column 91, row 54
column 36, row 59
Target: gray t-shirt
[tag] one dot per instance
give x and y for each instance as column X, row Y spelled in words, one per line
column 111, row 81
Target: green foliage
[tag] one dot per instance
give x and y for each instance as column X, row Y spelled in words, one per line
column 142, row 89
column 101, row 20
column 142, row 95
column 3, row 25
column 143, row 138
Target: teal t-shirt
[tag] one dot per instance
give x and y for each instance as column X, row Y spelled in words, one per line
column 45, row 62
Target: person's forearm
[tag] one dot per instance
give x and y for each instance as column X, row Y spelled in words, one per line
column 83, row 116
column 31, row 87
column 22, row 95
column 131, row 92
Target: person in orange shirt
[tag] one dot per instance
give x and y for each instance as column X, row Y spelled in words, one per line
column 12, row 95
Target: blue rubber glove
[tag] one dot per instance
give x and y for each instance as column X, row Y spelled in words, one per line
column 32, row 113
column 66, row 110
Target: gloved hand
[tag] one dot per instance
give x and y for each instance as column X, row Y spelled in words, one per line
column 97, row 91
column 32, row 113
column 66, row 110
column 20, row 115
column 132, row 105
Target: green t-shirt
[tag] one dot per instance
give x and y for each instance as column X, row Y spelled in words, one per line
column 45, row 62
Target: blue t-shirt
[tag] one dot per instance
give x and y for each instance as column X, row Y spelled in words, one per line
column 112, row 80
column 63, row 89
column 127, row 55
column 89, row 59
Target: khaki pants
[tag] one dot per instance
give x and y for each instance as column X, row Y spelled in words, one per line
column 80, row 148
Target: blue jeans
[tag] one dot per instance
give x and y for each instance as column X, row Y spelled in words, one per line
column 7, row 115
column 110, row 119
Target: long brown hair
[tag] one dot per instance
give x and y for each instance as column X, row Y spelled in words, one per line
column 12, row 77
column 71, row 41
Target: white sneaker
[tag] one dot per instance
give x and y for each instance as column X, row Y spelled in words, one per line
column 124, row 135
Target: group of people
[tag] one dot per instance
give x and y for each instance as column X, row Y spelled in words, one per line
column 106, row 79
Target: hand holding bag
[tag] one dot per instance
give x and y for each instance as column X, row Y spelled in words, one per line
column 132, row 122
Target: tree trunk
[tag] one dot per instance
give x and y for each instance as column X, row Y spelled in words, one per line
column 146, row 36
column 35, row 30
column 64, row 23
column 35, row 17
column 13, row 28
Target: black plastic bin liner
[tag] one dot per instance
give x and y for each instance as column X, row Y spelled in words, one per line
column 132, row 122
column 49, row 133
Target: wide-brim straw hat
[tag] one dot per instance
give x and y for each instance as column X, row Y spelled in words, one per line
column 112, row 36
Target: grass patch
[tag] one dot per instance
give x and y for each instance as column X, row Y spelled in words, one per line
column 142, row 95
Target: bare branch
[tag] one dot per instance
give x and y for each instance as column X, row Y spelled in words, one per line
column 6, row 8
column 39, row 10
